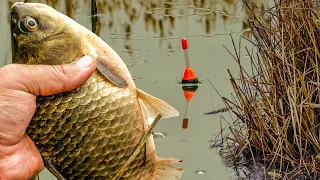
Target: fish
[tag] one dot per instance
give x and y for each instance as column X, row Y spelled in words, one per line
column 92, row 131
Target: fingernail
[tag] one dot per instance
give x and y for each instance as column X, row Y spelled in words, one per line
column 84, row 62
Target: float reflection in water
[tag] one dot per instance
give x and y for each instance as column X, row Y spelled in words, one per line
column 189, row 92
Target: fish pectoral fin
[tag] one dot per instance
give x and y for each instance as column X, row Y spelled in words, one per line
column 166, row 171
column 153, row 106
column 53, row 169
column 111, row 72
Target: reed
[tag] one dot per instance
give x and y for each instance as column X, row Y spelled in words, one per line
column 277, row 101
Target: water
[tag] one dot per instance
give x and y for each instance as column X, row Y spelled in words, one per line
column 146, row 34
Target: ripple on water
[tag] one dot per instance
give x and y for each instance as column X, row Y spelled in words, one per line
column 159, row 136
column 200, row 172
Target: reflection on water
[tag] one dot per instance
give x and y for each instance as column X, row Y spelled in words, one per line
column 146, row 34
column 160, row 16
column 188, row 91
column 119, row 17
column 94, row 16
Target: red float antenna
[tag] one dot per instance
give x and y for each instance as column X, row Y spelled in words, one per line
column 188, row 76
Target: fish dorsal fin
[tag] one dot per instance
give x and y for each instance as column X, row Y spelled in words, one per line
column 166, row 171
column 111, row 72
column 154, row 106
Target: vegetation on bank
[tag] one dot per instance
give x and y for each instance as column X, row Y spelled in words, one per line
column 277, row 101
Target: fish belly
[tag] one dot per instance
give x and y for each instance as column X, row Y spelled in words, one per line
column 89, row 133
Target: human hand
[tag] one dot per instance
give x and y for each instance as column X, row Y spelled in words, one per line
column 19, row 87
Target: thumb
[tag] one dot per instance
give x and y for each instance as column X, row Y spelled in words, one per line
column 47, row 79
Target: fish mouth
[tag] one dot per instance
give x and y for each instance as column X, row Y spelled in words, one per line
column 14, row 18
column 17, row 10
column 15, row 14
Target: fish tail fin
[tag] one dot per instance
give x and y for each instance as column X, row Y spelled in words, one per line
column 166, row 171
column 154, row 106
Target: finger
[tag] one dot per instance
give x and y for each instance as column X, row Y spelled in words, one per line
column 46, row 79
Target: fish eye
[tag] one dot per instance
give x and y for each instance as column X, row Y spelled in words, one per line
column 28, row 24
column 31, row 24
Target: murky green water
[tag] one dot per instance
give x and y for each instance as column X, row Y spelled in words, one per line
column 146, row 34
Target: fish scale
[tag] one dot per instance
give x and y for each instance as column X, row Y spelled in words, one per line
column 91, row 132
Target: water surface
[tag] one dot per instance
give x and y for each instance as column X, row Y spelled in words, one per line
column 147, row 34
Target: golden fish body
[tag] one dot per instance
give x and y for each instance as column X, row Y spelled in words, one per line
column 90, row 132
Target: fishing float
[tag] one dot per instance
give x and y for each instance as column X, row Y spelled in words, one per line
column 188, row 76
column 188, row 92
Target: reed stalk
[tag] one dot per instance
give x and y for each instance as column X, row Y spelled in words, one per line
column 277, row 102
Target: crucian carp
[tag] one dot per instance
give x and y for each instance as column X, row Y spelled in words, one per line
column 92, row 131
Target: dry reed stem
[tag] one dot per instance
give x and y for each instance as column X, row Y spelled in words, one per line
column 277, row 104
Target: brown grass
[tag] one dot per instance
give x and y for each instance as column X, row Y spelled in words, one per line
column 277, row 104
